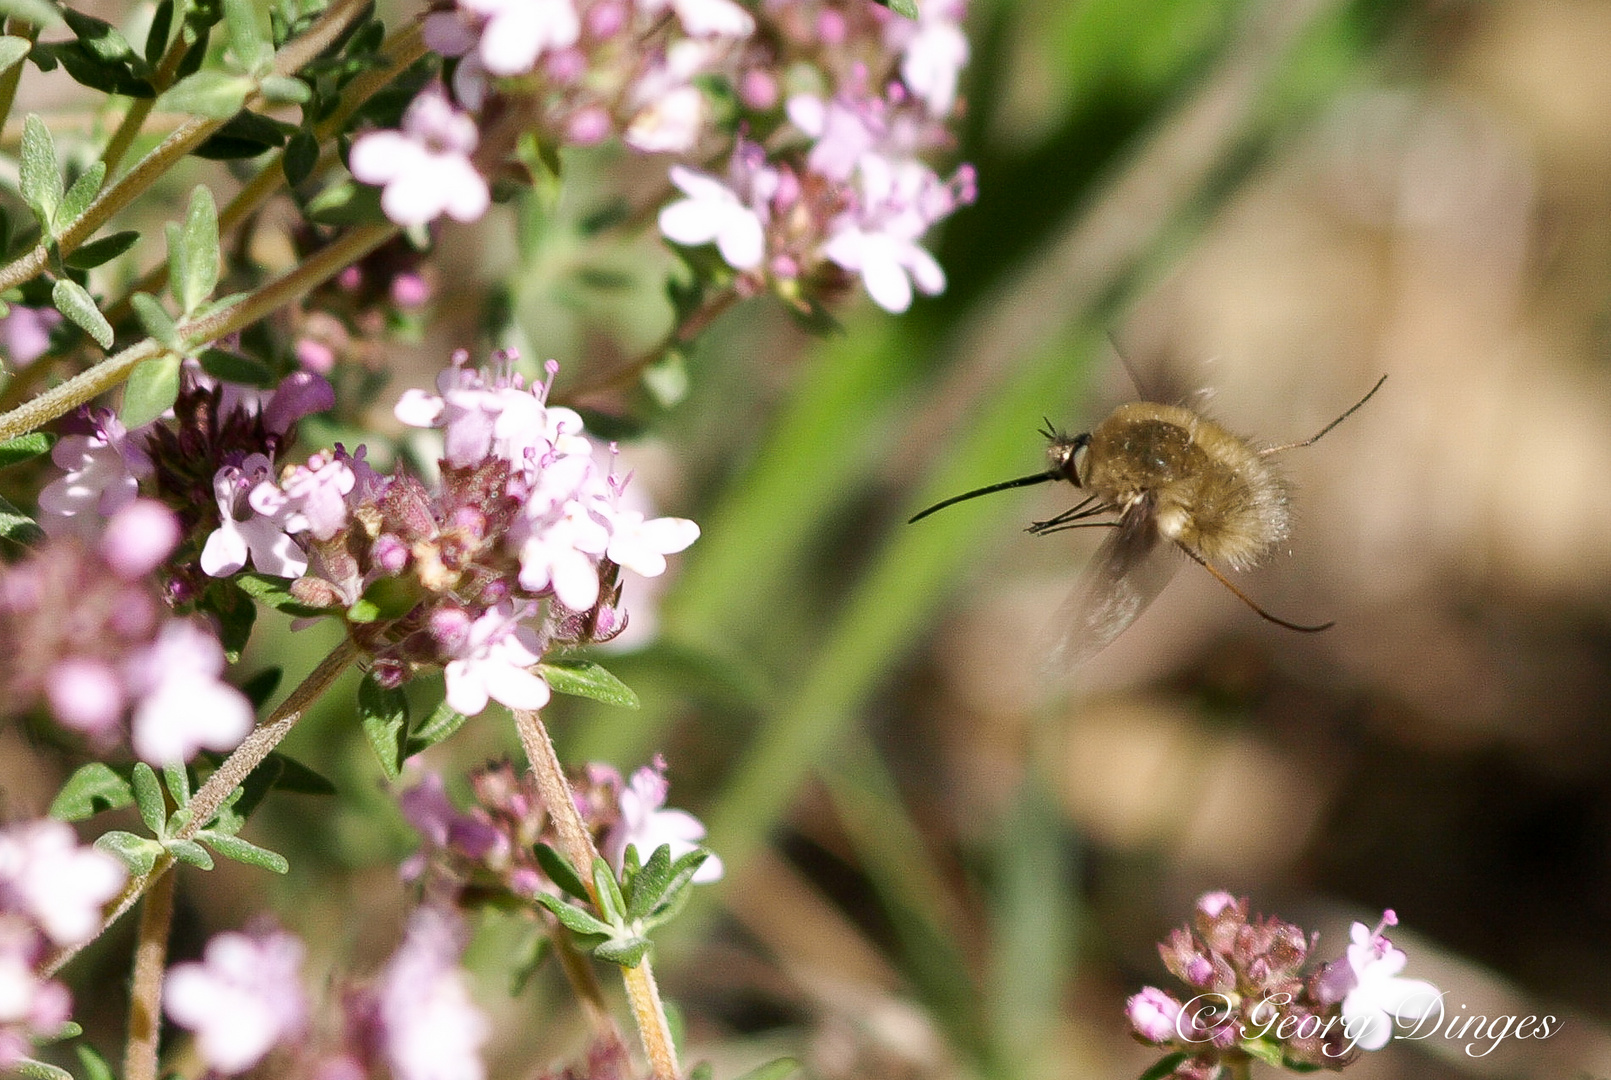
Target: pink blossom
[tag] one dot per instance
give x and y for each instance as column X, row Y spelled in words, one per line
column 262, row 536
column 139, row 537
column 425, row 167
column 934, row 56
column 316, row 494
column 242, row 999
column 25, row 333
column 495, row 663
column 299, row 394
column 61, row 886
column 714, row 212
column 103, row 471
column 430, row 1028
column 879, row 240
column 184, row 706
column 642, row 546
column 517, row 32
column 1153, row 1015
column 86, row 695
column 1378, row 996
column 646, row 826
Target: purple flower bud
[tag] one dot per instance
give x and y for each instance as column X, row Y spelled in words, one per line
column 1154, row 1015
column 315, row 355
column 588, row 126
column 450, row 626
column 85, row 695
column 138, row 538
column 410, row 290
column 302, row 393
column 606, row 19
column 758, row 90
column 1211, row 904
column 390, row 553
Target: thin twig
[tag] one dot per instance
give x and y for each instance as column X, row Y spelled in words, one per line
column 145, row 991
column 577, row 844
column 240, row 763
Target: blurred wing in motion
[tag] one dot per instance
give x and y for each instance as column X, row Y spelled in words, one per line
column 1127, row 572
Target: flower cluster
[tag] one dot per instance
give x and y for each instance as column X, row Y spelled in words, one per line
column 519, row 548
column 487, row 849
column 416, row 1021
column 87, row 634
column 51, row 893
column 825, row 182
column 1255, row 999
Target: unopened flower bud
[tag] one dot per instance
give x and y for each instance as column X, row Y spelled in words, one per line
column 1154, row 1015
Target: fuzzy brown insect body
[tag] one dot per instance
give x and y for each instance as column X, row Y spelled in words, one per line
column 1160, row 476
column 1210, row 490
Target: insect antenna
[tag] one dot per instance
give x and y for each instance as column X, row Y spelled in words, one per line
column 1022, row 481
column 1242, row 596
column 1317, row 436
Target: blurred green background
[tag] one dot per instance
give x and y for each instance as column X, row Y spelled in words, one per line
column 946, row 860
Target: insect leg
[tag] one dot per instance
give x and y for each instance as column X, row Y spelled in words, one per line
column 1316, row 437
column 1071, row 514
column 1240, row 595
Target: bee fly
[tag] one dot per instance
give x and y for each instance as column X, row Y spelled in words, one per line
column 1160, row 475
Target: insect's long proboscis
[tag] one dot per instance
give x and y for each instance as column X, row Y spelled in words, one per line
column 1022, row 481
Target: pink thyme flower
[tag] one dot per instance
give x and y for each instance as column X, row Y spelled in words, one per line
column 262, row 535
column 495, row 663
column 1154, row 1015
column 879, row 240
column 430, row 1028
column 103, row 471
column 25, row 333
column 646, row 825
column 47, row 877
column 315, row 494
column 934, row 54
column 184, row 706
column 712, row 212
column 642, row 546
column 1378, row 996
column 425, row 168
column 507, row 36
column 242, row 999
column 139, row 537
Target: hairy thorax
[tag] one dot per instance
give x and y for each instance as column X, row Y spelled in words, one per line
column 1209, row 490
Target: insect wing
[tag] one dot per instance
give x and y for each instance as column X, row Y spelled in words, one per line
column 1126, row 574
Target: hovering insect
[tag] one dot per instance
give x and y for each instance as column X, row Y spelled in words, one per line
column 1160, row 476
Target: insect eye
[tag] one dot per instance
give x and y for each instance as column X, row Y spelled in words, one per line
column 1076, row 460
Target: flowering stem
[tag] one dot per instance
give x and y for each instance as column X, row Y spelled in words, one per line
column 185, row 138
column 140, row 108
column 577, row 845
column 145, row 992
column 240, row 763
column 623, row 378
column 290, row 286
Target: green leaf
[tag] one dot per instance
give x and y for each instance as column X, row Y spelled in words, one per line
column 252, row 50
column 104, row 250
column 583, row 678
column 235, row 368
column 17, row 526
column 346, row 203
column 628, row 952
column 177, row 780
column 188, row 851
column 301, row 155
column 233, row 847
column 384, row 713
column 276, row 593
column 559, row 870
column 91, row 789
column 39, row 176
column 152, row 389
column 902, row 7
column 667, row 379
column 156, row 37
column 443, row 721
column 157, row 323
column 1262, row 1049
column 75, row 302
column 194, row 259
column 78, row 197
column 702, row 1071
column 37, row 12
column 25, row 448
column 284, row 90
column 148, row 796
column 776, row 1069
column 235, row 613
column 296, row 777
column 572, row 917
column 245, row 135
column 211, row 94
column 88, row 69
column 136, row 852
column 387, row 598
column 661, row 896
column 38, row 1070
column 13, row 50
column 611, row 904
column 95, row 1066
column 646, row 884
column 260, row 687
column 100, row 39
column 1164, row 1066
